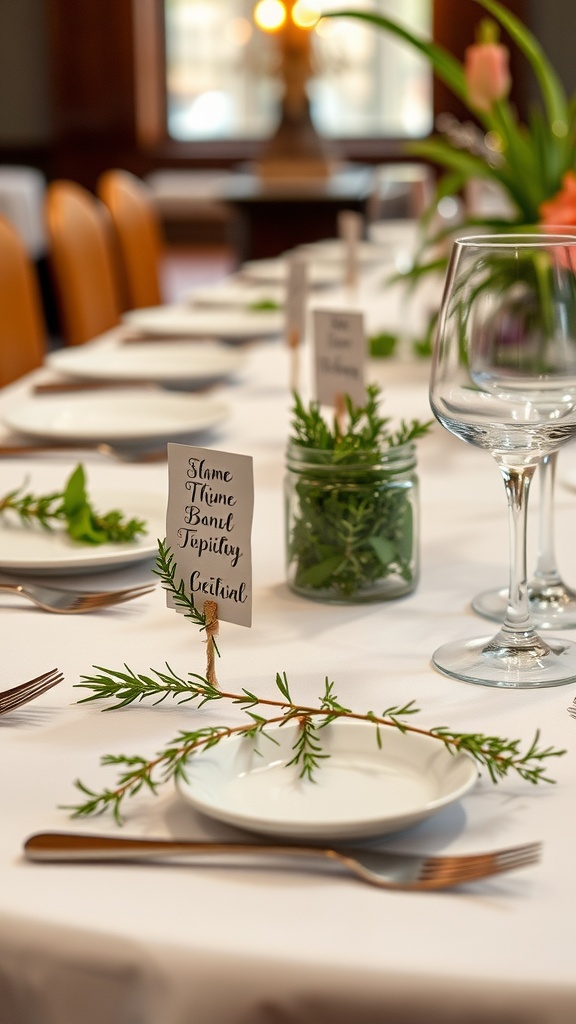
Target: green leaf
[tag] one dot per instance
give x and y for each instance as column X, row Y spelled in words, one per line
column 385, row 550
column 75, row 492
column 320, row 573
column 405, row 540
column 383, row 345
column 81, row 527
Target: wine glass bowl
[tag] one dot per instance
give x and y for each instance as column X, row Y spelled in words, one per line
column 504, row 379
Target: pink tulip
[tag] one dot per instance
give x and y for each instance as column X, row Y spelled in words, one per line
column 561, row 208
column 487, row 74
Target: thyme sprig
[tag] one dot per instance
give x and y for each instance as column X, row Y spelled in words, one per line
column 366, row 433
column 498, row 755
column 72, row 507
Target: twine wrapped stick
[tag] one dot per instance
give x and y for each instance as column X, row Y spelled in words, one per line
column 212, row 627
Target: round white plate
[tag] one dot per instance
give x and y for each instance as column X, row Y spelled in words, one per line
column 122, row 417
column 184, row 321
column 165, row 362
column 33, row 550
column 333, row 250
column 275, row 271
column 361, row 790
column 239, row 294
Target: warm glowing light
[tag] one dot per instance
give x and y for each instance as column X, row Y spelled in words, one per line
column 270, row 15
column 306, row 13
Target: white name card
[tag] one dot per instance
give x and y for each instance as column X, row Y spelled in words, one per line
column 339, row 356
column 209, row 528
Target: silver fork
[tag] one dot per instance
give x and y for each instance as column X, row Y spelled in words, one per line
column 384, row 869
column 24, row 692
column 71, row 602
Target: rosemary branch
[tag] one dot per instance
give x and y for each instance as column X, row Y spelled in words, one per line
column 166, row 568
column 499, row 756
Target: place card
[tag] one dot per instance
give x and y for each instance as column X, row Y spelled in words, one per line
column 209, row 527
column 339, row 356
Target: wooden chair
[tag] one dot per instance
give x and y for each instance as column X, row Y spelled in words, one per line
column 22, row 328
column 138, row 234
column 81, row 258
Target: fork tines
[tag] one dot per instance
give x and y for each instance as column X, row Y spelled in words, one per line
column 440, row 870
column 21, row 694
column 111, row 597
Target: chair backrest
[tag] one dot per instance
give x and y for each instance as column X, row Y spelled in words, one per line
column 22, row 328
column 82, row 262
column 138, row 233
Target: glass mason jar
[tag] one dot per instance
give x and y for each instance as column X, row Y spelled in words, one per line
column 352, row 524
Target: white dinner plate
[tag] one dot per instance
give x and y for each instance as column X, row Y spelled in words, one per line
column 361, row 790
column 333, row 250
column 36, row 551
column 275, row 271
column 185, row 321
column 238, row 294
column 123, row 417
column 174, row 363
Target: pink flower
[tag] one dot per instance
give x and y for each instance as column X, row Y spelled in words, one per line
column 487, row 74
column 561, row 209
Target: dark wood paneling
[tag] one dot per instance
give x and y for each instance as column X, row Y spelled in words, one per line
column 92, row 82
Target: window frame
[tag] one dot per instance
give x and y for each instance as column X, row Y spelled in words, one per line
column 453, row 27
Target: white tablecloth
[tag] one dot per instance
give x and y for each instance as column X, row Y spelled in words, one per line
column 204, row 945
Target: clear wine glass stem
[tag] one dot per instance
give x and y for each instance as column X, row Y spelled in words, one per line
column 546, row 573
column 517, row 631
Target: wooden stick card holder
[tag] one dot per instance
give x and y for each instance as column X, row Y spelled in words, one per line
column 295, row 314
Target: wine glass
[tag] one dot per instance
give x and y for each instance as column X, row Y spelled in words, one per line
column 504, row 378
column 552, row 601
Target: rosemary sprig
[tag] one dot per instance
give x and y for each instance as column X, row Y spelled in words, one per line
column 166, row 568
column 367, row 432
column 73, row 508
column 499, row 755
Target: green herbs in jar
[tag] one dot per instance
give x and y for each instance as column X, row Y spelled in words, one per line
column 352, row 505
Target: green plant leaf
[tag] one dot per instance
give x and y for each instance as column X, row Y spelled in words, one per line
column 385, row 550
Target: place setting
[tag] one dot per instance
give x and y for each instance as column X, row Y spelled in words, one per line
column 182, row 320
column 122, row 417
column 174, row 365
column 72, row 521
column 239, row 294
